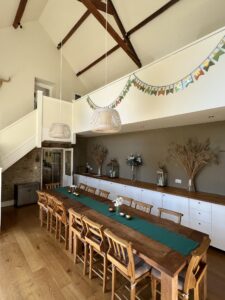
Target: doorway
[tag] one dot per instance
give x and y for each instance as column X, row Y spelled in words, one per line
column 57, row 166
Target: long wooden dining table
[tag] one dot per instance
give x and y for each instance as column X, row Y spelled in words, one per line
column 168, row 261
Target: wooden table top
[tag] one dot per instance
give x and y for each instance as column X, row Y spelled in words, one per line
column 207, row 197
column 156, row 254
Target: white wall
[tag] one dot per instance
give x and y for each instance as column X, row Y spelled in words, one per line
column 25, row 54
column 206, row 93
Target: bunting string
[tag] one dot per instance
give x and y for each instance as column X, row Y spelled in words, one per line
column 173, row 88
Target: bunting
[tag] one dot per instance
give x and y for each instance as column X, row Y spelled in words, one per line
column 172, row 88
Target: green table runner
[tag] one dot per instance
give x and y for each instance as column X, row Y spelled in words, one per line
column 171, row 239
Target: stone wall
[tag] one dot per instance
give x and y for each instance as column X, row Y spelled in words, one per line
column 27, row 169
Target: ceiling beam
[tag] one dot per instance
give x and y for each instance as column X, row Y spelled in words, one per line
column 122, row 29
column 91, row 7
column 74, row 29
column 130, row 32
column 101, row 6
column 19, row 13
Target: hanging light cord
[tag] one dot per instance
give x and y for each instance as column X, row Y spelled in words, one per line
column 106, row 44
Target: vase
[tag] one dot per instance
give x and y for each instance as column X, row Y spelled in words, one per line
column 99, row 171
column 133, row 177
column 191, row 185
column 118, row 210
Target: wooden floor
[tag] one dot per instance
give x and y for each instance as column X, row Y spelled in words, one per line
column 34, row 266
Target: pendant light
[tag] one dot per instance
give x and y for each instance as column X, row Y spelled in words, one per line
column 60, row 130
column 106, row 119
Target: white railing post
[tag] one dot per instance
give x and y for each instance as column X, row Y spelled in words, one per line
column 39, row 119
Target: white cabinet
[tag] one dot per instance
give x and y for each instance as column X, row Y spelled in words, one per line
column 110, row 187
column 178, row 204
column 94, row 182
column 218, row 226
column 153, row 198
column 200, row 216
column 130, row 191
column 79, row 179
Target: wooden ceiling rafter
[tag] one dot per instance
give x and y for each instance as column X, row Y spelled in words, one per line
column 94, row 11
column 101, row 6
column 74, row 29
column 129, row 33
column 19, row 13
column 122, row 29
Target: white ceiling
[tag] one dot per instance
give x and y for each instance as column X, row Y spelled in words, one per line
column 181, row 24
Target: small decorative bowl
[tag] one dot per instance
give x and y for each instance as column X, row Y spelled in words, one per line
column 76, row 194
column 111, row 209
column 122, row 214
column 128, row 217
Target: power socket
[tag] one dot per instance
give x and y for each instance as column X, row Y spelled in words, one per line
column 179, row 181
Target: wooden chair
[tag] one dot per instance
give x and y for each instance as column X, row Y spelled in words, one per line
column 51, row 203
column 90, row 189
column 142, row 206
column 170, row 214
column 52, row 186
column 130, row 266
column 62, row 225
column 104, row 194
column 82, row 186
column 191, row 277
column 96, row 241
column 77, row 232
column 43, row 209
column 127, row 200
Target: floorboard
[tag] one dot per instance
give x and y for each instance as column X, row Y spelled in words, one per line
column 35, row 266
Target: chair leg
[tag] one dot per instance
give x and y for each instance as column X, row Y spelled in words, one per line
column 71, row 241
column 60, row 230
column 48, row 221
column 90, row 261
column 56, row 228
column 66, row 235
column 85, row 258
column 51, row 217
column 75, row 241
column 153, row 288
column 105, row 265
column 133, row 291
column 113, row 282
column 41, row 217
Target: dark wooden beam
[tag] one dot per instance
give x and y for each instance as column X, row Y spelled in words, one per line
column 98, row 60
column 122, row 29
column 19, row 13
column 91, row 7
column 74, row 29
column 101, row 6
column 152, row 16
column 130, row 32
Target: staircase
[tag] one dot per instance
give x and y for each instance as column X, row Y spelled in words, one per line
column 18, row 139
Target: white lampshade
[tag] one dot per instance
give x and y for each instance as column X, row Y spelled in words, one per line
column 106, row 120
column 59, row 131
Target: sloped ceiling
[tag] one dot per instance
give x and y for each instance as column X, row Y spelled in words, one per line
column 181, row 24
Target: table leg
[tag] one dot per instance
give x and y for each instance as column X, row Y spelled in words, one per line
column 169, row 287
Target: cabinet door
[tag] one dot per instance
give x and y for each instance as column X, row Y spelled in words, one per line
column 178, row 204
column 76, row 179
column 108, row 186
column 82, row 179
column 130, row 191
column 153, row 198
column 94, row 182
column 218, row 226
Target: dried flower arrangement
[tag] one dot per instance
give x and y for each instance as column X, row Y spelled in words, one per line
column 193, row 156
column 99, row 154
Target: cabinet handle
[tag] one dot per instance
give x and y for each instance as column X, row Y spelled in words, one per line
column 199, row 223
column 199, row 213
column 199, row 202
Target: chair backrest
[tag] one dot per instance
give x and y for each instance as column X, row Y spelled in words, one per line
column 104, row 194
column 196, row 266
column 127, row 200
column 82, row 186
column 60, row 209
column 142, row 206
column 52, row 186
column 91, row 189
column 51, row 201
column 42, row 199
column 94, row 234
column 76, row 223
column 170, row 215
column 120, row 254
